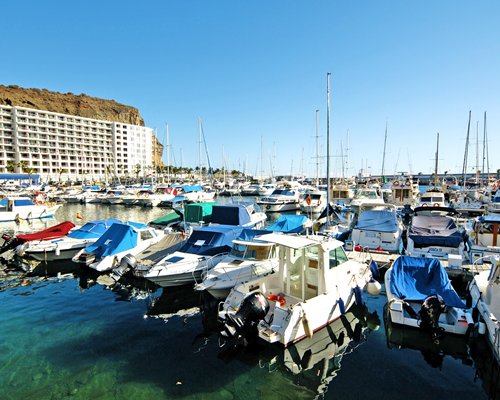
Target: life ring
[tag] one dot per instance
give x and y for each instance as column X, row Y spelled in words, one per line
column 436, row 204
column 268, row 207
column 424, row 205
column 407, row 183
column 395, row 183
column 279, row 298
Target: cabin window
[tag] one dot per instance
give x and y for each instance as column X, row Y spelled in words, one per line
column 311, row 272
column 145, row 235
column 296, row 263
column 337, row 256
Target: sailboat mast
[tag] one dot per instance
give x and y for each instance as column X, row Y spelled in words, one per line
column 485, row 149
column 317, row 150
column 436, row 163
column 327, row 149
column 199, row 148
column 383, row 155
column 167, row 133
column 464, row 169
column 477, row 151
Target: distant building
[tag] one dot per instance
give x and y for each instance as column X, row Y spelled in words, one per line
column 61, row 146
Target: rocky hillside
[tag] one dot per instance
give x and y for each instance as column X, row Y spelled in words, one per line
column 69, row 103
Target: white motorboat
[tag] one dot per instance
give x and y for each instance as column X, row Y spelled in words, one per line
column 203, row 250
column 315, row 285
column 282, row 199
column 248, row 260
column 17, row 208
column 404, row 192
column 117, row 242
column 313, row 202
column 483, row 234
column 485, row 292
column 364, row 195
column 420, row 295
column 432, row 198
column 378, row 229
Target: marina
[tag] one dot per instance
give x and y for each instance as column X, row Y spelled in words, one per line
column 72, row 333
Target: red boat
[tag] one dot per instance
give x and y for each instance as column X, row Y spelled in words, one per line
column 53, row 232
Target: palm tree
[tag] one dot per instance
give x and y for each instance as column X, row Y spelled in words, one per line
column 61, row 171
column 11, row 166
column 137, row 170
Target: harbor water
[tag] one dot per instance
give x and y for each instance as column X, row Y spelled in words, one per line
column 68, row 336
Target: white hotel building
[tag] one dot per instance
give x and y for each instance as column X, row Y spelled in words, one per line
column 61, row 146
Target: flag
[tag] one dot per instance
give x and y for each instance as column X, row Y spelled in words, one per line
column 79, row 216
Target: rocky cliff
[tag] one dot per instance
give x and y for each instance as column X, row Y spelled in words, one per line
column 69, row 103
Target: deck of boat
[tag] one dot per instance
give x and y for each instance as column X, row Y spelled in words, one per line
column 170, row 243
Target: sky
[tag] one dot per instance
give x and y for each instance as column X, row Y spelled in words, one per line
column 255, row 72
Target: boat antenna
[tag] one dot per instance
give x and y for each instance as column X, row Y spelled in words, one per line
column 464, row 168
column 327, row 150
column 436, row 163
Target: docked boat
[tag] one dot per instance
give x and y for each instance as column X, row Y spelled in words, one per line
column 205, row 247
column 313, row 202
column 483, row 234
column 420, row 295
column 23, row 239
column 434, row 234
column 432, row 198
column 281, row 199
column 117, row 242
column 494, row 206
column 248, row 260
column 66, row 246
column 246, row 215
column 16, row 208
column 404, row 192
column 316, row 284
column 485, row 292
column 378, row 229
column 364, row 195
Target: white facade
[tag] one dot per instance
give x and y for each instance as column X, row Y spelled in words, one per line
column 61, row 146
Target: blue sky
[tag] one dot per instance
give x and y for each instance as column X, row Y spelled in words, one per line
column 255, row 72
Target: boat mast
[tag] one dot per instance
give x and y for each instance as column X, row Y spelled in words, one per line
column 383, row 155
column 464, row 168
column 317, row 150
column 327, row 150
column 436, row 163
column 485, row 149
column 477, row 152
column 167, row 133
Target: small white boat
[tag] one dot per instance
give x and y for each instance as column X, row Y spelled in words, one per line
column 282, row 199
column 248, row 260
column 117, row 242
column 203, row 250
column 485, row 292
column 17, row 208
column 378, row 229
column 432, row 198
column 364, row 195
column 313, row 202
column 420, row 295
column 484, row 236
column 316, row 284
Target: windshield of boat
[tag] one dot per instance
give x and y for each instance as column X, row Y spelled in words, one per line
column 337, row 256
column 253, row 252
column 431, row 199
column 366, row 194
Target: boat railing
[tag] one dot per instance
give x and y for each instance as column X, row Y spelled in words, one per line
column 209, row 264
column 492, row 258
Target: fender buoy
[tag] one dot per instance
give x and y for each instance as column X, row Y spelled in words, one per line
column 279, row 298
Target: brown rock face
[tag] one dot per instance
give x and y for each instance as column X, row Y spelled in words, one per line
column 68, row 103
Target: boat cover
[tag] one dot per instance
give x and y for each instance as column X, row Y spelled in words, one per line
column 197, row 212
column 435, row 230
column 192, row 188
column 118, row 238
column 416, row 278
column 53, row 232
column 23, row 202
column 93, row 229
column 491, row 219
column 211, row 240
column 377, row 220
column 247, row 234
column 230, row 215
column 289, row 224
column 171, row 217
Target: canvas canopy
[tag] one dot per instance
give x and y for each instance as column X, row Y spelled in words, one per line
column 211, row 240
column 118, row 238
column 434, row 230
column 230, row 215
column 377, row 220
column 93, row 229
column 289, row 224
column 416, row 278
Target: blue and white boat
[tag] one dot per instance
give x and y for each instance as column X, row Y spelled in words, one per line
column 420, row 295
column 204, row 249
column 66, row 247
column 118, row 241
column 245, row 215
column 18, row 208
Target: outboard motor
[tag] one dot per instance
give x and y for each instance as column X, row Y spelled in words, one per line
column 429, row 314
column 128, row 262
column 243, row 324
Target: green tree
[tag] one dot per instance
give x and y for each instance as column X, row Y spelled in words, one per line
column 11, row 166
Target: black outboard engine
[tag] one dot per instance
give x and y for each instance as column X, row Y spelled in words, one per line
column 429, row 314
column 128, row 262
column 243, row 324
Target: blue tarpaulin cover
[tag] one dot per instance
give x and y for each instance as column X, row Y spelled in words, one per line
column 230, row 215
column 289, row 224
column 211, row 240
column 378, row 220
column 435, row 230
column 118, row 238
column 248, row 234
column 415, row 278
column 93, row 229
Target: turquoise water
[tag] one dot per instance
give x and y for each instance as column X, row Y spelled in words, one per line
column 72, row 338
